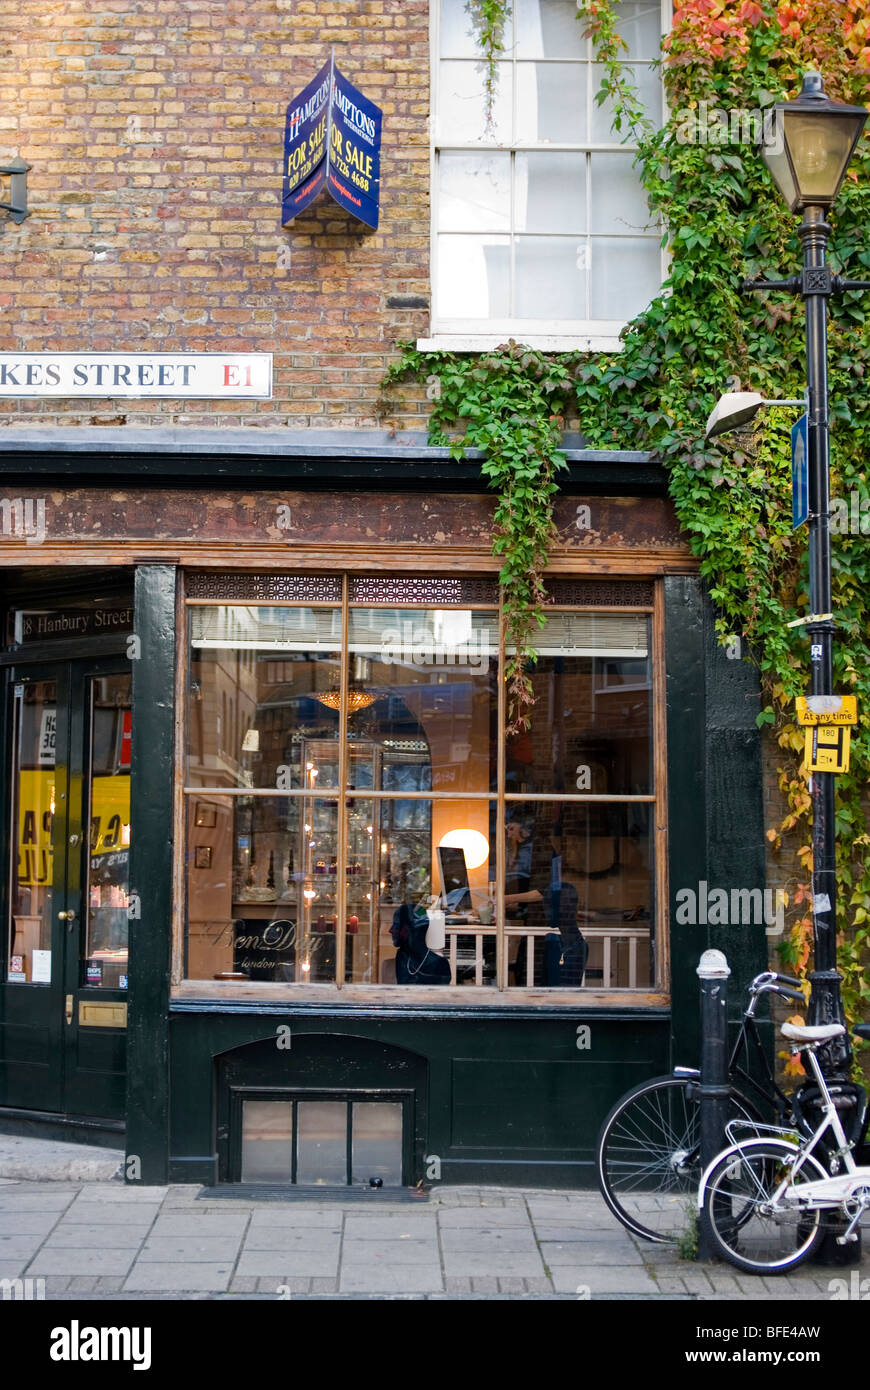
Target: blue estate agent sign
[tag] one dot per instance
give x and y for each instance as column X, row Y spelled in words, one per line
column 332, row 137
column 800, row 490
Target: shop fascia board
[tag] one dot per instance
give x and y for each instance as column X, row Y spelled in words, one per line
column 322, row 458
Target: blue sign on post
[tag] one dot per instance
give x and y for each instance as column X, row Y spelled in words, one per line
column 800, row 468
column 333, row 137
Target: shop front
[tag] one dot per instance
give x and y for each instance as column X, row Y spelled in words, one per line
column 287, row 898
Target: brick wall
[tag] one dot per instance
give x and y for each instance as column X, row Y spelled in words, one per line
column 155, row 132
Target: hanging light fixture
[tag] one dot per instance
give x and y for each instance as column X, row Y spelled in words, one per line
column 356, row 699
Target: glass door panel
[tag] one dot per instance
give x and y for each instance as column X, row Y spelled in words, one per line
column 34, row 799
column 108, row 874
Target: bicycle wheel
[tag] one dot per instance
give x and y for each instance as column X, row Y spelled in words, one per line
column 648, row 1155
column 737, row 1207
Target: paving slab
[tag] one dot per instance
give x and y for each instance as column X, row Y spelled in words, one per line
column 27, row 1223
column 409, row 1279
column 285, row 1238
column 463, row 1218
column 290, row 1215
column 389, row 1256
column 168, row 1224
column 588, row 1254
column 82, row 1261
column 501, row 1262
column 19, row 1247
column 190, row 1249
column 178, row 1278
column 99, row 1214
column 109, row 1236
column 41, row 1199
column 278, row 1263
column 601, row 1281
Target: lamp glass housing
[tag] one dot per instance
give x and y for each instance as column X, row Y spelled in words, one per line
column 808, row 144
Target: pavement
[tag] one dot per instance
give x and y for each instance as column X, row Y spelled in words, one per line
column 101, row 1239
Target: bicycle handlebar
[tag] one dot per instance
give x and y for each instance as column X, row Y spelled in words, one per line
column 768, row 977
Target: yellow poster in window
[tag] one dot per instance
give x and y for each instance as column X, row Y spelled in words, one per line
column 110, row 821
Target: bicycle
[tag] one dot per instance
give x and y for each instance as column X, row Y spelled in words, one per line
column 649, row 1146
column 764, row 1199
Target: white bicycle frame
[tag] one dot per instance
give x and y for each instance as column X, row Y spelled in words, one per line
column 843, row 1190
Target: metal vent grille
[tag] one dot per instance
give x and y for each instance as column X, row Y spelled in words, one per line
column 443, row 592
column 602, row 594
column 268, row 588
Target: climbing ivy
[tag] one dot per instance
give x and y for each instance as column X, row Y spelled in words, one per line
column 724, row 63
column 489, row 20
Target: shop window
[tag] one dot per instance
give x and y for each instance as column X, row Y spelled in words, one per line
column 541, row 227
column 373, row 825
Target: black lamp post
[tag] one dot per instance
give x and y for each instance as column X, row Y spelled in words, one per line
column 807, row 147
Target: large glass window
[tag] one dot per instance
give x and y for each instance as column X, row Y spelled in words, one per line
column 356, row 814
column 541, row 223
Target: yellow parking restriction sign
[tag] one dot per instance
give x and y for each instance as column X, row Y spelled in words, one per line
column 827, row 709
column 827, row 748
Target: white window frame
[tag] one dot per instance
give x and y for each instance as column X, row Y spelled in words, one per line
column 456, row 335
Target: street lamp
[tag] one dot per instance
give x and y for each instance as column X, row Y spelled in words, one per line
column 807, row 147
column 808, row 144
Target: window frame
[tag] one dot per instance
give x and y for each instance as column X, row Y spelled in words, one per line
column 504, row 996
column 553, row 335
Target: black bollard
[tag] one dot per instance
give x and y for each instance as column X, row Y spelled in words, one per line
column 713, row 973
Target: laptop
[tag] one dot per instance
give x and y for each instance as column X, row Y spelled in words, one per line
column 455, row 892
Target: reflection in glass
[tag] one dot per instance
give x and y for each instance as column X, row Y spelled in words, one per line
column 548, row 29
column 462, row 104
column 33, row 807
column 639, row 23
column 434, row 675
column 626, row 275
column 267, row 1141
column 108, row 872
column 377, row 1142
column 551, row 278
column 550, row 192
column 551, row 103
column 648, row 85
column 474, row 276
column 474, row 192
column 321, row 1155
column 457, row 31
column 618, row 201
column 591, row 723
column 579, row 894
column 257, row 676
column 262, row 884
column 391, row 927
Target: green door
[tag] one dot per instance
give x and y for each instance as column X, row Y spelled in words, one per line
column 63, row 1019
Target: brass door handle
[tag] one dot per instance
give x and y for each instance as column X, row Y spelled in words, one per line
column 68, row 1010
column 66, row 916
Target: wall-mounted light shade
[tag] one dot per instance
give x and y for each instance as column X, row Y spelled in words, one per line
column 808, row 144
column 732, row 410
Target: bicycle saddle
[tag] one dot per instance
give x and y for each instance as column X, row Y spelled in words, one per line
column 821, row 1033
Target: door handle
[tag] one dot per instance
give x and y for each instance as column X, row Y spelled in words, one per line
column 68, row 1010
column 66, row 916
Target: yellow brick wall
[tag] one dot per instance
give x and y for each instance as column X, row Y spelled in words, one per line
column 155, row 130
